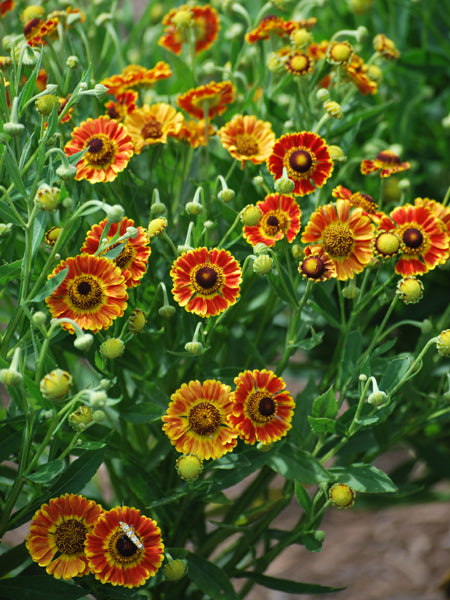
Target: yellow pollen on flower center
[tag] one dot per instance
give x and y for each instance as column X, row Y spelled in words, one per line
column 101, row 150
column 85, row 293
column 261, row 407
column 299, row 163
column 70, row 536
column 246, row 144
column 126, row 257
column 387, row 244
column 205, row 419
column 152, row 129
column 273, row 223
column 337, row 240
column 299, row 63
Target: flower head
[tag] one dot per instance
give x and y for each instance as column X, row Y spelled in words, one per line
column 247, row 138
column 109, row 148
column 262, row 407
column 410, row 290
column 361, row 200
column 305, row 157
column 194, row 132
column 357, row 71
column 280, row 217
column 206, row 282
column 92, row 294
column 342, row 495
column 202, row 22
column 124, row 105
column 385, row 46
column 152, row 124
column 56, row 384
column 211, row 98
column 386, row 162
column 443, row 343
column 298, row 63
column 317, row 265
column 124, row 547
column 345, row 234
column 134, row 77
column 60, row 528
column 196, row 419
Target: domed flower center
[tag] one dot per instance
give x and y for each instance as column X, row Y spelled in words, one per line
column 299, row 63
column 205, row 419
column 387, row 244
column 126, row 256
column 412, row 238
column 388, row 157
column 101, row 150
column 246, row 144
column 125, row 547
column 273, row 221
column 95, row 144
column 300, row 161
column 337, row 240
column 274, row 224
column 70, row 536
column 313, row 267
column 206, row 277
column 261, row 407
column 85, row 293
column 152, row 129
column 364, row 201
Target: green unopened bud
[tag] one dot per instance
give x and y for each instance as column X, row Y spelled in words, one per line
column 262, row 264
column 66, row 172
column 100, row 91
column 84, row 342
column 260, row 248
column 5, row 228
column 167, row 311
column 11, row 377
column 189, row 466
column 350, row 291
column 284, row 185
column 342, row 495
column 443, row 343
column 98, row 398
column 98, row 416
column 114, row 213
column 72, row 62
column 137, row 321
column 45, row 104
column 47, row 198
column 334, row 109
column 194, row 347
column 39, row 318
column 175, row 569
column 323, row 95
column 13, row 129
column 193, row 208
column 112, row 348
column 258, row 180
column 250, row 215
column 336, row 153
column 377, row 398
column 56, row 384
column 226, row 195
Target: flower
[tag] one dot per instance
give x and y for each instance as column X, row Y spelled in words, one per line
column 194, row 132
column 56, row 384
column 92, row 294
column 410, row 290
column 60, row 527
column 202, row 22
column 386, row 47
column 345, row 233
column 189, row 467
column 361, row 200
column 280, row 217
column 357, row 71
column 317, row 265
column 443, row 343
column 109, row 149
column 37, row 29
column 174, row 570
column 206, row 282
column 262, row 407
column 298, row 63
column 196, row 419
column 152, row 124
column 273, row 25
column 424, row 243
column 342, row 495
column 6, row 6
column 247, row 138
column 112, row 348
column 133, row 258
column 135, row 76
column 305, row 157
column 441, row 212
column 124, row 105
column 124, row 547
column 339, row 53
column 387, row 161
column 211, row 98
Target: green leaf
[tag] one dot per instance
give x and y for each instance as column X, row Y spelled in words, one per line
column 322, row 425
column 394, row 372
column 313, row 540
column 36, row 587
column 210, row 578
column 10, row 271
column 312, row 342
column 13, row 171
column 114, row 252
column 292, row 463
column 39, row 226
column 325, row 305
column 303, row 498
column 325, row 405
column 46, row 473
column 364, row 478
column 286, row 585
column 286, row 292
column 50, row 286
column 351, row 356
column 143, row 413
column 13, row 558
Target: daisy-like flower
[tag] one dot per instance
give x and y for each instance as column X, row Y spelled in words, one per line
column 124, row 105
column 133, row 259
column 317, row 265
column 212, row 98
column 6, row 6
column 441, row 212
column 152, row 124
column 424, row 243
column 109, row 149
column 37, row 29
column 196, row 419
column 124, row 548
column 262, row 407
column 280, row 217
column 202, row 22
column 386, row 162
column 247, row 138
column 360, row 200
column 357, row 71
column 273, row 25
column 206, row 282
column 305, row 156
column 345, row 233
column 298, row 63
column 194, row 132
column 60, row 528
column 135, row 76
column 92, row 294
column 385, row 46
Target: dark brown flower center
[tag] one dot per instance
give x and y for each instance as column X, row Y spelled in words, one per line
column 206, row 277
column 246, row 144
column 261, row 407
column 95, row 144
column 85, row 293
column 31, row 26
column 267, row 406
column 300, row 161
column 70, row 536
column 337, row 240
column 313, row 267
column 412, row 238
column 152, row 129
column 388, row 157
column 125, row 547
column 205, row 419
column 274, row 223
column 101, row 150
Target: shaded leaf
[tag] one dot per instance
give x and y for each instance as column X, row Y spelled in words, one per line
column 210, row 578
column 286, row 585
column 50, row 286
column 364, row 478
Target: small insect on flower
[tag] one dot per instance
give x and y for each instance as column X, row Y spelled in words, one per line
column 131, row 535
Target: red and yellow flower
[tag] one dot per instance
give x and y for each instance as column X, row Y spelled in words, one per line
column 194, row 132
column 135, row 76
column 357, row 71
column 387, row 162
column 298, row 63
column 206, row 282
column 202, row 22
column 316, row 265
column 196, row 419
column 6, row 6
column 133, row 258
column 424, row 243
column 345, row 233
column 441, row 212
column 124, row 548
column 280, row 217
column 60, row 528
column 274, row 25
column 262, row 408
column 37, row 29
column 109, row 148
column 211, row 98
column 247, row 138
column 152, row 124
column 92, row 294
column 124, row 105
column 359, row 200
column 306, row 158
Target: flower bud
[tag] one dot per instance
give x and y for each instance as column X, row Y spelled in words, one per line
column 189, row 466
column 193, row 208
column 322, row 95
column 114, row 213
column 297, row 251
column 39, row 318
column 410, row 290
column 175, row 569
column 284, row 185
column 72, row 62
column 32, row 12
column 377, row 398
column 194, row 347
column 100, row 91
column 339, row 53
column 137, row 321
column 45, row 103
column 334, row 109
column 47, row 198
column 262, row 264
column 98, row 416
column 259, row 180
column 98, row 398
column 13, row 129
column 182, row 19
column 386, row 244
column 260, row 248
column 52, row 235
column 80, row 418
column 300, row 38
column 350, row 291
column 250, row 215
column 5, row 228
column 443, row 343
column 226, row 195
column 336, row 153
column 84, row 342
column 11, row 377
column 66, row 172
column 342, row 495
column 167, row 311
column 156, row 226
column 112, row 348
column 56, row 384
